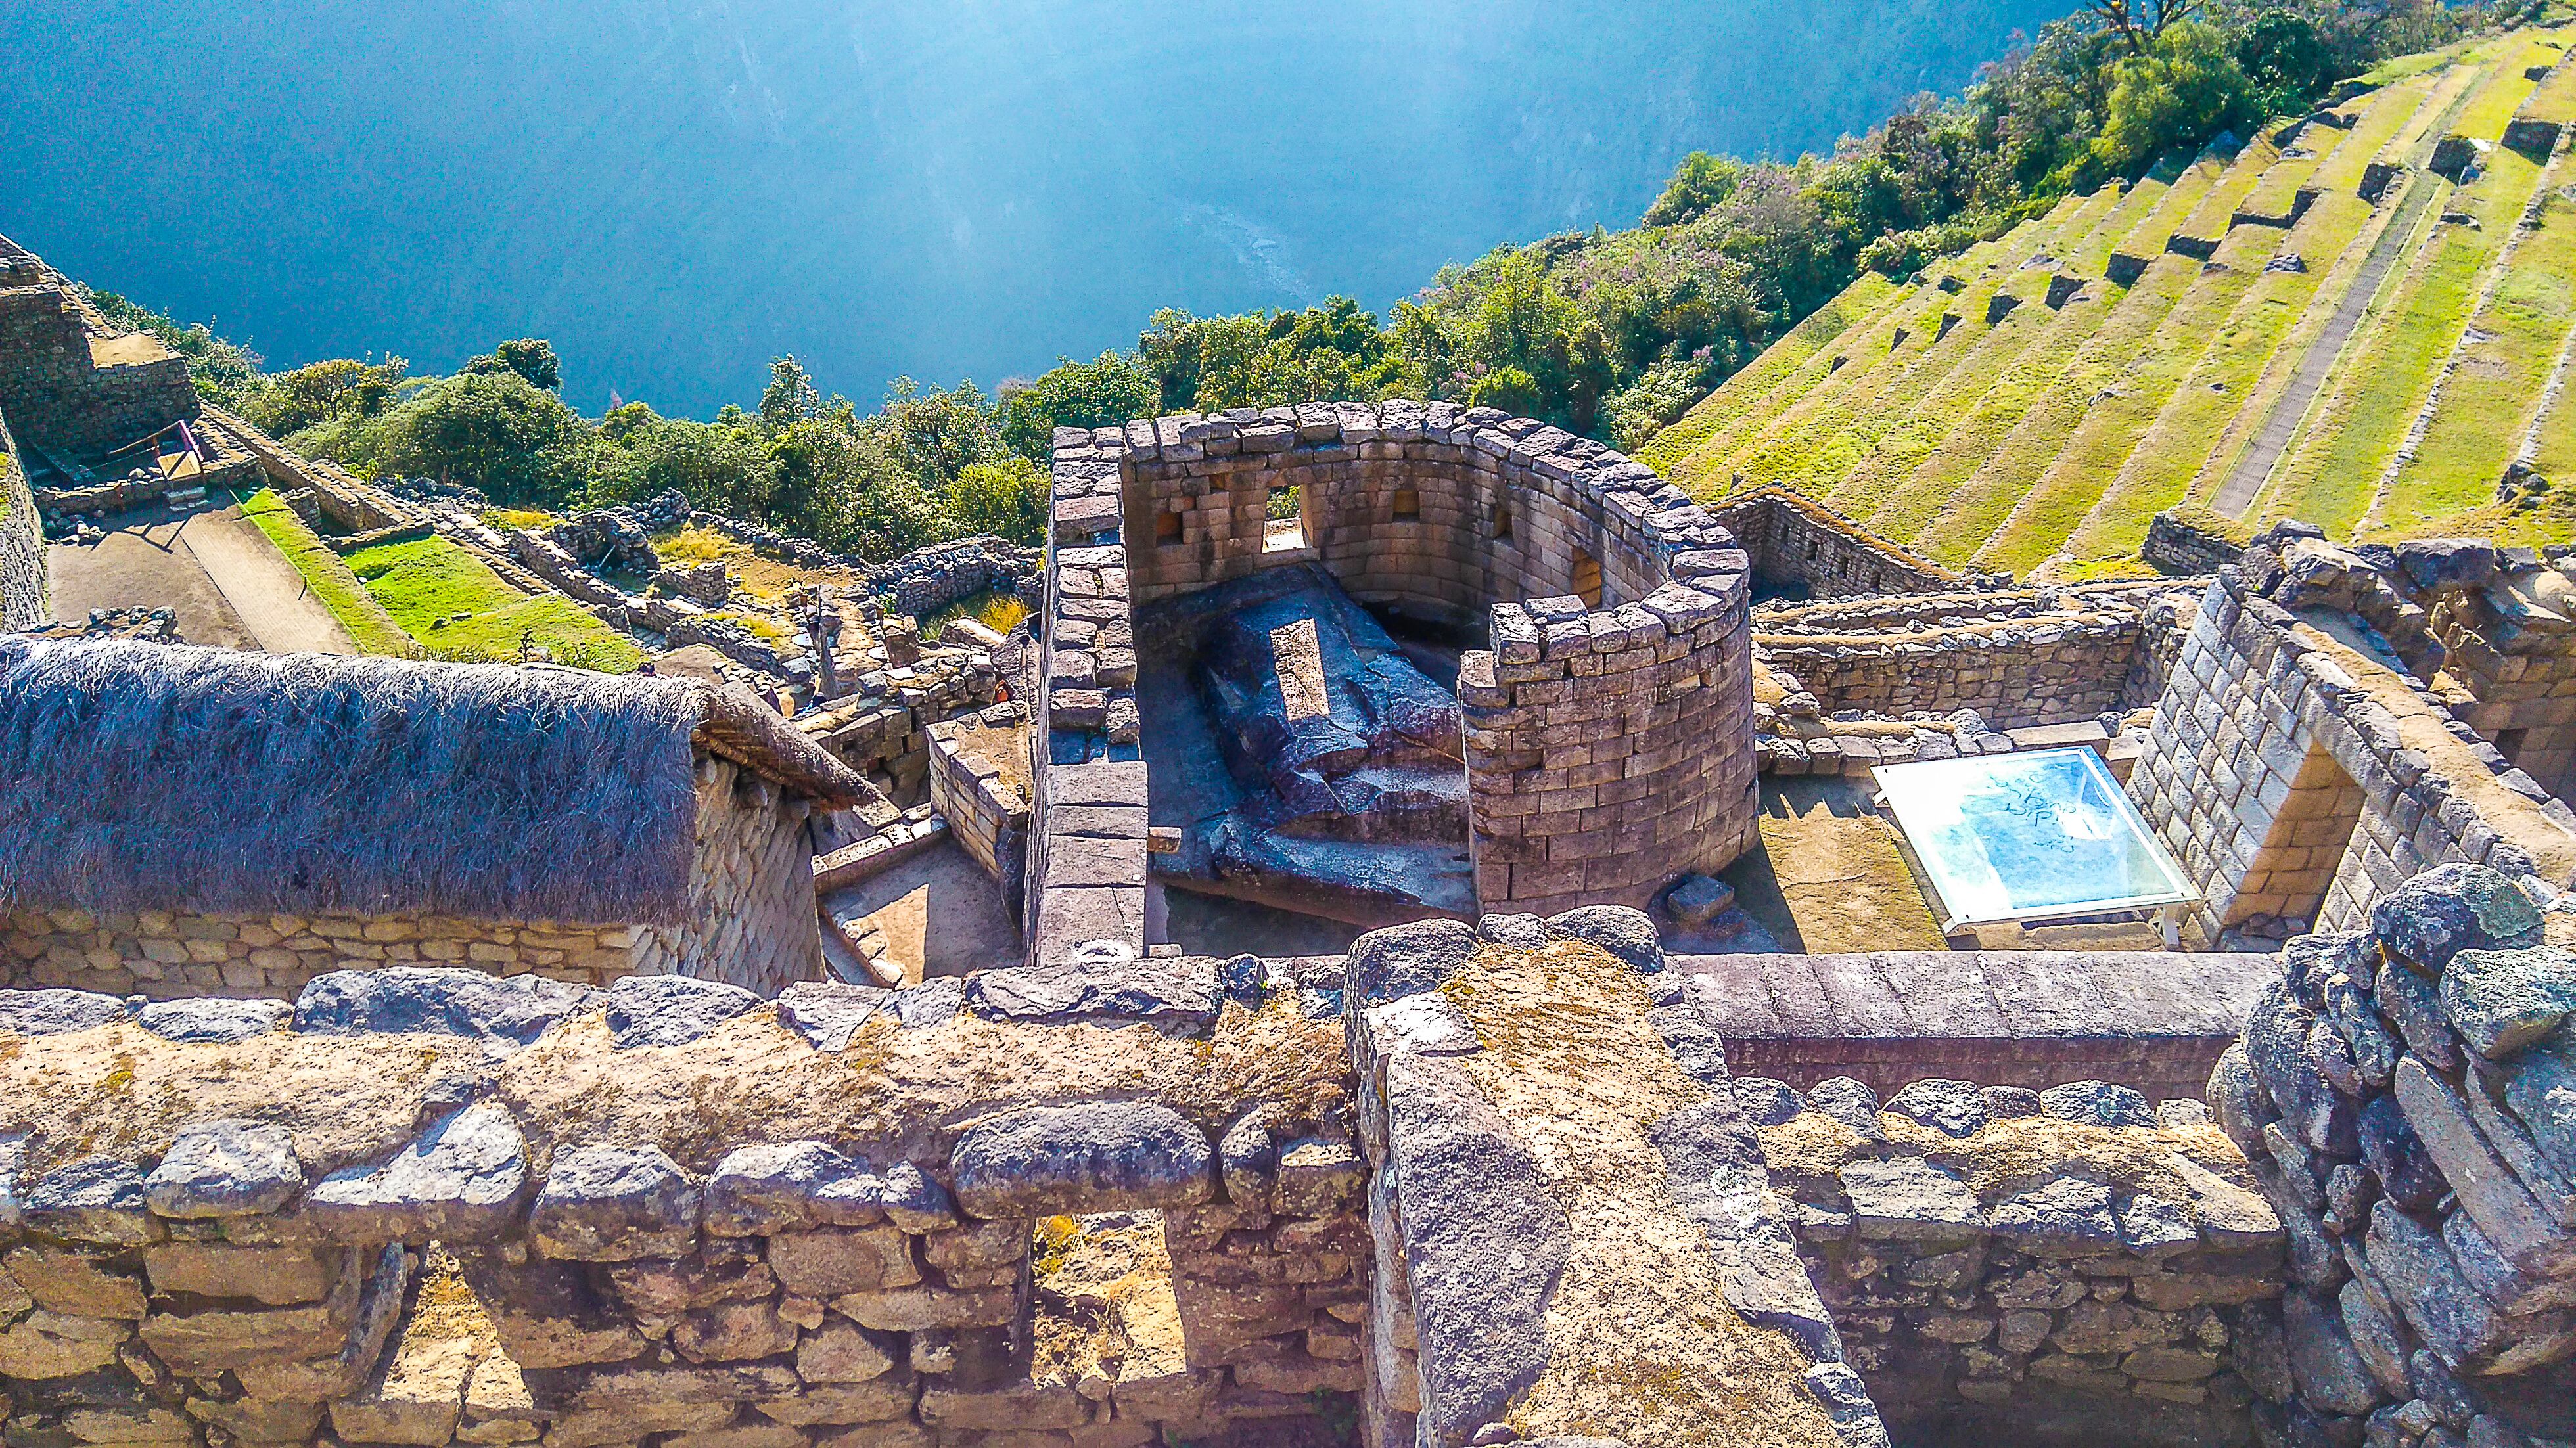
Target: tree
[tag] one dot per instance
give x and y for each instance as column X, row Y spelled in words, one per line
column 321, row 392
column 1699, row 185
column 2185, row 91
column 493, row 431
column 2140, row 24
column 932, row 433
column 1008, row 497
column 1112, row 388
column 531, row 358
column 790, row 397
column 2286, row 59
column 722, row 469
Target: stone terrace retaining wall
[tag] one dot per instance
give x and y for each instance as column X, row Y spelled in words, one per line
column 2154, row 1021
column 23, row 599
column 1796, row 542
column 2296, row 777
column 751, row 922
column 2403, row 1092
column 1442, row 511
column 2010, row 1266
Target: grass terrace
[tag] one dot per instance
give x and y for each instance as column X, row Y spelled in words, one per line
column 340, row 591
column 460, row 610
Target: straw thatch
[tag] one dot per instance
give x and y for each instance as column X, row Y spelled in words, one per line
column 158, row 776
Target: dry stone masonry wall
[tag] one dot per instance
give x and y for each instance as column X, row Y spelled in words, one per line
column 750, row 921
column 2403, row 1091
column 2019, row 657
column 471, row 1243
column 70, row 383
column 2031, row 1267
column 1608, row 725
column 2298, row 775
column 1801, row 548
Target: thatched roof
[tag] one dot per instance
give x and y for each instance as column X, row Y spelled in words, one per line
column 160, row 776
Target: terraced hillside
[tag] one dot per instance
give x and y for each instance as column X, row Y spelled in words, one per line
column 2365, row 319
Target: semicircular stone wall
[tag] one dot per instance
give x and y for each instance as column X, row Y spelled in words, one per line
column 1609, row 723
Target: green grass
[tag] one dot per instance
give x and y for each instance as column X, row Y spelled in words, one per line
column 2177, row 448
column 1778, row 362
column 2128, row 404
column 2331, row 469
column 2486, row 401
column 2062, row 434
column 369, row 626
column 2556, row 98
column 2503, row 93
column 459, row 609
column 2555, row 440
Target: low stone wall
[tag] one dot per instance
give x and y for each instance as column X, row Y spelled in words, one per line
column 2297, row 777
column 442, row 1208
column 927, row 580
column 355, row 505
column 2403, row 1094
column 24, row 601
column 2051, row 657
column 988, row 814
column 2155, row 1021
column 2179, row 542
column 2006, row 1265
column 167, row 954
column 1801, row 546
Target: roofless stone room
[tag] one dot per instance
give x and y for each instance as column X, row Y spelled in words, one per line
column 1918, row 800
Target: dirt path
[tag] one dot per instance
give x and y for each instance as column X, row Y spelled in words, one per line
column 229, row 585
column 144, row 565
column 263, row 587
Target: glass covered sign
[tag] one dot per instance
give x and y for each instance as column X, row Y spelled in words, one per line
column 2036, row 836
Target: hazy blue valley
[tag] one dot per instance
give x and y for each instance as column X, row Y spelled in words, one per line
column 675, row 193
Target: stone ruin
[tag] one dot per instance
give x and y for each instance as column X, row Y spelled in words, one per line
column 1517, row 1167
column 1466, row 1185
column 1606, row 719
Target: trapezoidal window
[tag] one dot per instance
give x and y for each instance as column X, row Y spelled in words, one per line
column 2310, row 831
column 1502, row 522
column 1587, row 578
column 1167, row 526
column 1283, row 520
column 1408, row 505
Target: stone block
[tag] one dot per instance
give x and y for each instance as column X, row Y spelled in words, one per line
column 830, row 1262
column 461, row 1181
column 760, row 1190
column 614, row 1204
column 278, row 1276
column 1106, row 1156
